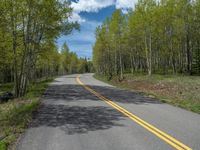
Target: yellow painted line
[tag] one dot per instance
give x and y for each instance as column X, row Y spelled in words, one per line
column 167, row 138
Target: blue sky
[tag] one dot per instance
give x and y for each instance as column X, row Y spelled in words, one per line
column 90, row 14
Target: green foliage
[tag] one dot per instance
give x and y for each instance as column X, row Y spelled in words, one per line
column 72, row 64
column 16, row 114
column 155, row 37
column 107, row 51
column 2, row 146
column 6, row 87
column 28, row 30
column 15, row 117
column 37, row 89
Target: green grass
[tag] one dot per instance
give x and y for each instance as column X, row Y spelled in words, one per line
column 16, row 114
column 2, row 146
column 37, row 89
column 179, row 90
column 6, row 87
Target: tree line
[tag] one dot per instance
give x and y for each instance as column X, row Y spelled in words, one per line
column 70, row 63
column 156, row 37
column 28, row 31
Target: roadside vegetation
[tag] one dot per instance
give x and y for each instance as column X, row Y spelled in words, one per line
column 155, row 49
column 29, row 57
column 179, row 90
column 28, row 33
column 16, row 114
column 157, row 37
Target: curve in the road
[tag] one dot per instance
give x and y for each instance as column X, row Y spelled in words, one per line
column 162, row 135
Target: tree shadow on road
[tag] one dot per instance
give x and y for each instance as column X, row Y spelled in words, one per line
column 71, row 92
column 76, row 119
column 55, row 110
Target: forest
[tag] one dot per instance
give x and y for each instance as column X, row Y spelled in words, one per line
column 157, row 37
column 28, row 50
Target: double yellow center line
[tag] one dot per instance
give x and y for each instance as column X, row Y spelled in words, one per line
column 165, row 137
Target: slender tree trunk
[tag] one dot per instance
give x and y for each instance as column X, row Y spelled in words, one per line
column 115, row 61
column 121, row 66
column 132, row 67
column 189, row 56
column 148, row 55
column 14, row 48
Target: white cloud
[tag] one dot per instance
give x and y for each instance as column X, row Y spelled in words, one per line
column 86, row 34
column 96, row 5
column 91, row 5
column 88, row 6
column 76, row 17
column 125, row 4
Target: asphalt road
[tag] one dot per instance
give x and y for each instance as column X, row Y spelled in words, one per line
column 71, row 117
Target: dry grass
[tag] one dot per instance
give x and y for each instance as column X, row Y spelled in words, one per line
column 14, row 118
column 182, row 91
column 16, row 114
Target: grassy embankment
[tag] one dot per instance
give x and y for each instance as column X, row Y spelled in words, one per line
column 16, row 114
column 182, row 91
